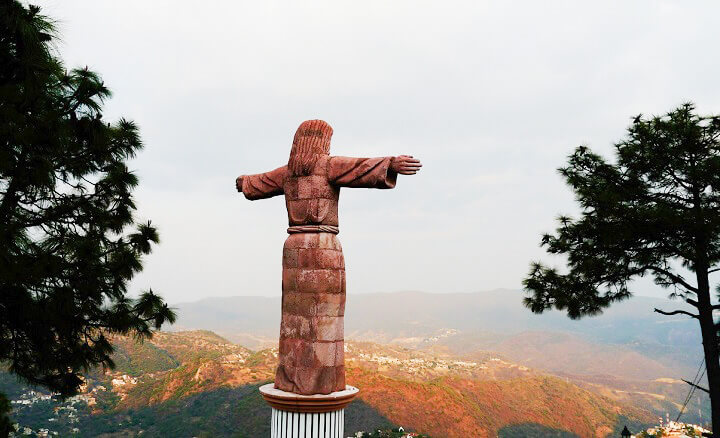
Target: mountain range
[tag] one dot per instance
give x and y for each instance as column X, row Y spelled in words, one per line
column 446, row 365
column 198, row 384
column 492, row 320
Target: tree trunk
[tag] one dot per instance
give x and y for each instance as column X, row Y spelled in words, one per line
column 705, row 315
column 710, row 348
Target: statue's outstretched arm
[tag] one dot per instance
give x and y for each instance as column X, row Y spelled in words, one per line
column 405, row 164
column 376, row 173
column 262, row 185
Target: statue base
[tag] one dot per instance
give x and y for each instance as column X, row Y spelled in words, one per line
column 307, row 416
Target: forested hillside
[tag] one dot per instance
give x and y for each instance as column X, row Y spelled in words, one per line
column 199, row 384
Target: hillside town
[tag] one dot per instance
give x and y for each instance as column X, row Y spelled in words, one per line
column 399, row 432
column 414, row 362
column 674, row 429
column 65, row 411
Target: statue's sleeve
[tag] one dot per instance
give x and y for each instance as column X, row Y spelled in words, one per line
column 372, row 173
column 264, row 185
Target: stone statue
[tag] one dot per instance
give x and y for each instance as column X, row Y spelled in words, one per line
column 311, row 355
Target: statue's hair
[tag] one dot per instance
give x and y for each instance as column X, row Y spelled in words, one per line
column 312, row 140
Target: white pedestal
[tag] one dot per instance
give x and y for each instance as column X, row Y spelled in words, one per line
column 307, row 416
column 307, row 425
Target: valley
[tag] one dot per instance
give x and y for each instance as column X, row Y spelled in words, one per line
column 446, row 377
column 205, row 384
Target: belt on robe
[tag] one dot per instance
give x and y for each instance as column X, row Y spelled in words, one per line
column 313, row 229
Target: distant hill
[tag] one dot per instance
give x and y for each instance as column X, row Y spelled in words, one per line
column 465, row 323
column 443, row 364
column 454, row 407
column 629, row 353
column 571, row 354
column 403, row 315
column 199, row 384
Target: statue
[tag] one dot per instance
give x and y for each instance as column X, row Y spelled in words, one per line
column 311, row 353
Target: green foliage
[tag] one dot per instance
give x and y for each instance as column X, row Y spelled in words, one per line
column 634, row 426
column 256, row 358
column 224, row 412
column 106, row 400
column 654, row 212
column 533, row 430
column 69, row 244
column 651, row 208
column 137, row 358
column 5, row 423
column 388, row 433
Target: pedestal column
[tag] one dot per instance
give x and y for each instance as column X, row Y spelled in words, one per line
column 307, row 416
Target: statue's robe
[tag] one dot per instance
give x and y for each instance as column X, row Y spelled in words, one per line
column 312, row 353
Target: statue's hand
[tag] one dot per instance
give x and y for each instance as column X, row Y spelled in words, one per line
column 405, row 165
column 238, row 184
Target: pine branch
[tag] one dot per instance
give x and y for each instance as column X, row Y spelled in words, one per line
column 677, row 312
column 674, row 277
column 692, row 303
column 696, row 386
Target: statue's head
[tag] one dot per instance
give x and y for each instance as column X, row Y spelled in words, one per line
column 312, row 140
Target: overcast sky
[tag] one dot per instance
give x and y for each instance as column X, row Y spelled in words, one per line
column 491, row 96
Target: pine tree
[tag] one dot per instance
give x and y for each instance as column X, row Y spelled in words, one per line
column 5, row 424
column 68, row 241
column 654, row 211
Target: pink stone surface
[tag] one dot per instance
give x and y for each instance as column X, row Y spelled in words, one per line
column 311, row 353
column 327, row 328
